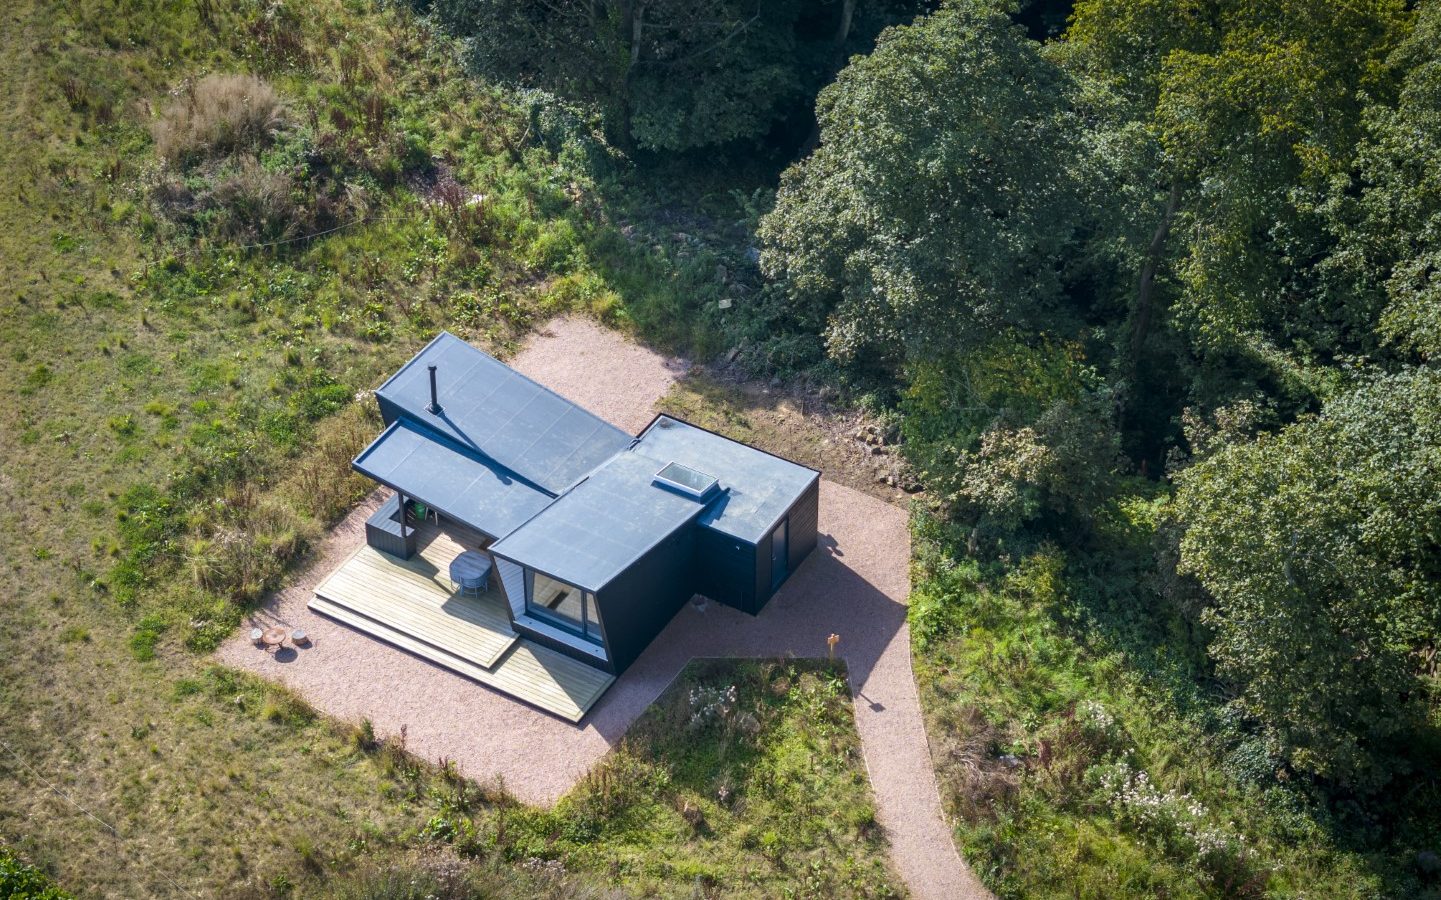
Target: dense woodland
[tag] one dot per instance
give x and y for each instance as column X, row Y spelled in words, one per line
column 1147, row 293
column 1185, row 251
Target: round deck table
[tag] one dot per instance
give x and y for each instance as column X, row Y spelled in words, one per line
column 470, row 570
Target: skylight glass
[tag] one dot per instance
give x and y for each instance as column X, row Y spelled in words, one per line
column 686, row 480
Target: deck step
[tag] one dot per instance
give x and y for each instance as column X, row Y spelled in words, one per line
column 405, row 641
column 551, row 681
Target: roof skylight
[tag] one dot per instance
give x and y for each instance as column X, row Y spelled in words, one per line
column 686, row 480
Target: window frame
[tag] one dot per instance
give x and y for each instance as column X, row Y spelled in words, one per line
column 589, row 627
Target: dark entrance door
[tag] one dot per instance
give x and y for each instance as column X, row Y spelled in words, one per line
column 780, row 552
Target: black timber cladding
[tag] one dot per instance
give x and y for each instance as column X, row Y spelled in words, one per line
column 802, row 535
column 646, row 596
column 573, row 497
column 757, row 491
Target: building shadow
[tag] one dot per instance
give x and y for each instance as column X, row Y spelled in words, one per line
column 823, row 596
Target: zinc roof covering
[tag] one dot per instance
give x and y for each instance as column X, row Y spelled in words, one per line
column 492, row 409
column 456, row 481
column 598, row 528
column 756, row 487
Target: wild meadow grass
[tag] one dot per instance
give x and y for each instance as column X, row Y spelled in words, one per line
column 745, row 779
column 224, row 223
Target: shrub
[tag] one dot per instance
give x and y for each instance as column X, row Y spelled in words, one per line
column 217, row 115
column 322, row 482
column 25, row 882
column 257, row 205
column 1177, row 822
column 243, row 551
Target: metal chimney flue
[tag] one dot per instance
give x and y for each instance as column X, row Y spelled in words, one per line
column 434, row 407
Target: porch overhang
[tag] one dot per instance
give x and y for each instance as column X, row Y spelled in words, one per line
column 456, row 482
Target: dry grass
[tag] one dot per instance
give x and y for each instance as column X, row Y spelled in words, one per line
column 258, row 205
column 322, row 481
column 975, row 781
column 792, row 424
column 217, row 115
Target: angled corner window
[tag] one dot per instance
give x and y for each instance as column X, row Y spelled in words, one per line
column 562, row 605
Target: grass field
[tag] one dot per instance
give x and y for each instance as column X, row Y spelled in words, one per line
column 180, row 412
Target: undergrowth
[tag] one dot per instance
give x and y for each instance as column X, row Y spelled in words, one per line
column 1083, row 752
column 744, row 779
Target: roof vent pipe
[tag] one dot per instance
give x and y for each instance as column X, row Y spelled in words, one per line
column 434, row 407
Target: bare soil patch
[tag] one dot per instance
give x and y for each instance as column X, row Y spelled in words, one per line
column 848, row 446
column 616, row 379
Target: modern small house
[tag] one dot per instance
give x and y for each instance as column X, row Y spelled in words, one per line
column 582, row 541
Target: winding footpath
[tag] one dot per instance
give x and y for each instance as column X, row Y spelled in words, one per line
column 855, row 585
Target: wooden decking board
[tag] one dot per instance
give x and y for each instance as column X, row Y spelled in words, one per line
column 410, row 603
column 524, row 679
column 377, row 585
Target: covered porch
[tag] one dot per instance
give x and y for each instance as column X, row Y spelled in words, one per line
column 412, row 604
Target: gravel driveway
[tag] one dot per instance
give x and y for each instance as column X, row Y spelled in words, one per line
column 856, row 585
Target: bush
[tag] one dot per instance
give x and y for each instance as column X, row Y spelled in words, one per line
column 322, row 482
column 19, row 881
column 245, row 546
column 217, row 115
column 257, row 205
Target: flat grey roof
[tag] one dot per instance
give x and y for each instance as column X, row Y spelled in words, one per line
column 459, row 483
column 494, row 410
column 598, row 528
column 756, row 487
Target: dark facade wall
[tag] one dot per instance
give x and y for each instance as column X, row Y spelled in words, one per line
column 724, row 569
column 805, row 524
column 643, row 599
column 762, row 585
column 802, row 536
column 382, row 530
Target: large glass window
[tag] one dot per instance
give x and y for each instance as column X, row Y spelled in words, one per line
column 561, row 604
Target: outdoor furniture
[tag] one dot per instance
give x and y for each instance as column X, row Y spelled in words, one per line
column 470, row 571
column 299, row 638
column 273, row 637
column 421, row 512
column 257, row 637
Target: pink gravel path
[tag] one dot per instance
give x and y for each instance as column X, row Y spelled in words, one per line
column 856, row 585
column 616, row 379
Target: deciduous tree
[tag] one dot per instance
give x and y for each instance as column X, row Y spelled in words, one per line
column 1321, row 547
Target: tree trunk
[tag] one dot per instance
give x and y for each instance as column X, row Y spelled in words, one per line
column 1146, row 284
column 632, row 30
column 843, row 31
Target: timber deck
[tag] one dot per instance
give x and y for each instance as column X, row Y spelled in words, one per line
column 411, row 604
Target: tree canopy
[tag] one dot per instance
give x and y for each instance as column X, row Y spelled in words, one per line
column 1319, row 545
column 942, row 180
column 1174, row 213
column 670, row 75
